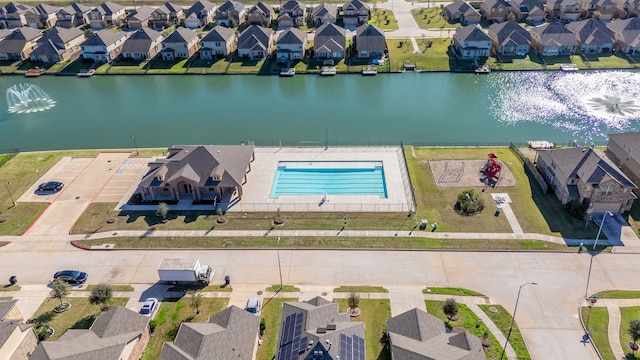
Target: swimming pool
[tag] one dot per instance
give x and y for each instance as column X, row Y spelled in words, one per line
column 329, row 177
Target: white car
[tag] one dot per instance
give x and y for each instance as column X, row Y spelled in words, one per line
column 253, row 305
column 149, row 307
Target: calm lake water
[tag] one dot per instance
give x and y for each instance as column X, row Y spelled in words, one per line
column 431, row 109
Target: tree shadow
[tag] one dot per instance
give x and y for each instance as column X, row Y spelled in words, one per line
column 85, row 322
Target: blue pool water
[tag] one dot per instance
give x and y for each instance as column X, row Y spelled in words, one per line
column 332, row 178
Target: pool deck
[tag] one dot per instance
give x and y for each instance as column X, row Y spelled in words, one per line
column 257, row 190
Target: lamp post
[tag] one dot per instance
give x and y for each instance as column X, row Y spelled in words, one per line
column 279, row 266
column 135, row 144
column 600, row 229
column 13, row 202
column 513, row 318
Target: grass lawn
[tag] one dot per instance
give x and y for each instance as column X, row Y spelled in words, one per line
column 450, row 291
column 502, row 319
column 10, row 288
column 127, row 67
column 515, row 63
column 80, row 316
column 434, row 56
column 271, row 312
column 171, row 314
column 198, row 287
column 627, row 314
column 430, row 18
column 618, row 294
column 159, row 66
column 468, row 320
column 285, row 288
column 361, row 289
column 598, row 320
column 374, row 314
column 247, row 66
column 213, row 66
column 609, row 61
column 113, row 288
column 384, row 19
column 341, row 242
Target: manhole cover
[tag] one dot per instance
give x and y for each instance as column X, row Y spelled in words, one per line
column 324, row 294
column 259, row 292
column 493, row 309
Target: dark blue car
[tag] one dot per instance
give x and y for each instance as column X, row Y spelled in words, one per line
column 51, row 186
column 71, row 276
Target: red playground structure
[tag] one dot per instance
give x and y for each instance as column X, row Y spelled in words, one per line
column 491, row 170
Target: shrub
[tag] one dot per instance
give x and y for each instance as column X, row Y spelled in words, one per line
column 469, row 203
column 575, row 209
column 450, row 308
column 354, row 300
column 100, row 295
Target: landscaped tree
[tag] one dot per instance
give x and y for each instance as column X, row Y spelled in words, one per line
column 101, row 294
column 634, row 331
column 196, row 300
column 162, row 210
column 353, row 301
column 469, row 203
column 450, row 308
column 59, row 290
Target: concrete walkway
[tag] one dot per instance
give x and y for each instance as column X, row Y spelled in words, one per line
column 613, row 330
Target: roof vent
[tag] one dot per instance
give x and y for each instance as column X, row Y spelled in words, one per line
column 331, row 327
column 321, row 330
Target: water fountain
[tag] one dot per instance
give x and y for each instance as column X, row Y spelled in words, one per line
column 27, row 98
column 587, row 105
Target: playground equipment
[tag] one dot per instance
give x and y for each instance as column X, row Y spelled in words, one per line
column 491, row 170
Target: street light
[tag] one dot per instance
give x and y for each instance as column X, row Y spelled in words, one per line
column 135, row 144
column 513, row 318
column 13, row 202
column 600, row 229
column 279, row 266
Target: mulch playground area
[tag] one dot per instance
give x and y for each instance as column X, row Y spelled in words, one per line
column 467, row 173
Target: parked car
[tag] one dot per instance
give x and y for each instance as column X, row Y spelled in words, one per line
column 71, row 276
column 253, row 305
column 51, row 186
column 150, row 305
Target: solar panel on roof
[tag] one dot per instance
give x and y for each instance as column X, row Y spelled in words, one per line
column 291, row 340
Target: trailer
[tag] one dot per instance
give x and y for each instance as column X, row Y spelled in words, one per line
column 178, row 270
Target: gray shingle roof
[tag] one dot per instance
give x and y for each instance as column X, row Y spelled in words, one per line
column 472, row 33
column 142, row 13
column 231, row 5
column 141, row 40
column 292, row 36
column 369, row 37
column 104, row 38
column 181, row 35
column 6, row 306
column 417, row 335
column 330, row 37
column 629, row 141
column 555, row 34
column 59, row 35
column 629, row 29
column 592, row 32
column 200, row 6
column 76, row 8
column 110, row 8
column 325, row 9
column 15, row 42
column 492, row 4
column 220, row 33
column 14, row 7
column 509, row 32
column 262, row 8
column 292, row 5
column 44, row 9
column 529, row 5
column 254, row 35
column 168, row 8
column 357, row 4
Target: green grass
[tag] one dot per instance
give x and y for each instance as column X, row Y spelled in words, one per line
column 626, row 315
column 199, row 287
column 597, row 319
column 450, row 291
column 361, row 289
column 384, row 19
column 618, row 294
column 80, row 316
column 271, row 312
column 285, row 288
column 171, row 314
column 434, row 56
column 468, row 320
column 431, row 18
column 502, row 319
column 374, row 313
column 113, row 288
column 8, row 287
column 341, row 242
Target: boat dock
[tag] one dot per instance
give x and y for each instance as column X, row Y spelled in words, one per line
column 369, row 70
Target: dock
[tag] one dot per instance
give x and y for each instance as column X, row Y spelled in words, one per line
column 34, row 72
column 484, row 69
column 369, row 70
column 569, row 67
column 287, row 72
column 328, row 71
column 86, row 72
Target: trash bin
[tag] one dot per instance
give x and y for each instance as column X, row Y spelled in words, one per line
column 423, row 224
column 13, row 280
column 227, row 280
column 498, row 210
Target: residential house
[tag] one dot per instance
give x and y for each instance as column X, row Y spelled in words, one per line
column 624, row 151
column 229, row 334
column 106, row 15
column 355, row 13
column 291, row 45
column 119, row 334
column 219, row 42
column 627, row 35
column 495, row 10
column 415, row 334
column 14, row 15
column 605, row 8
column 42, row 16
column 329, row 42
column 531, row 11
column 553, row 39
column 292, row 14
column 315, row 329
column 587, row 177
column 166, row 15
column 260, row 14
column 4, row 33
column 323, row 13
column 471, row 42
column 201, row 173
column 462, row 12
column 19, row 44
column 627, row 8
column 140, row 17
column 58, row 44
column 180, row 44
column 73, row 15
column 104, row 46
column 17, row 339
column 199, row 14
column 369, row 42
column 230, row 14
column 143, row 44
column 509, row 38
column 594, row 37
column 563, row 10
column 255, row 42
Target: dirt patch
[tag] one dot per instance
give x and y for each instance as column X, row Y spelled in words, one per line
column 466, row 173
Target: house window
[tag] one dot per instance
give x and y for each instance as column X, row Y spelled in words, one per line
column 608, row 190
column 500, row 10
column 165, row 189
column 218, row 43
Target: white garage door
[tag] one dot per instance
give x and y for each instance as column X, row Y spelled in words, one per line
column 604, row 207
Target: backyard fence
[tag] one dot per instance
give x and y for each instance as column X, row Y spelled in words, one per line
column 328, row 207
